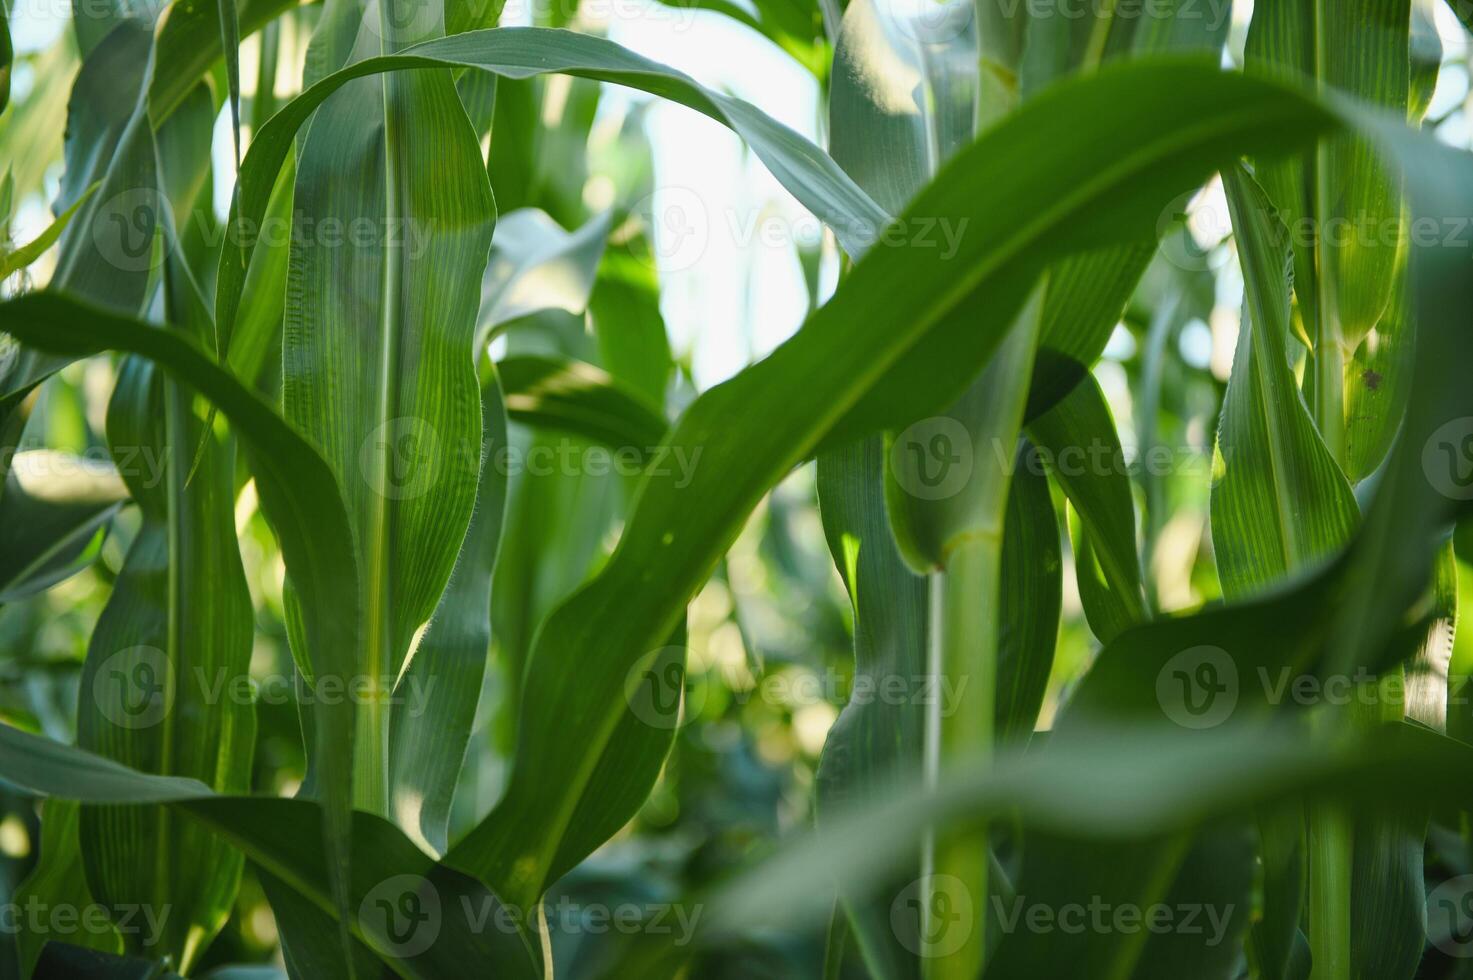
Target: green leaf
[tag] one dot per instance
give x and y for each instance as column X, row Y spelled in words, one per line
column 536, row 266
column 1078, row 438
column 442, row 685
column 875, row 740
column 519, row 53
column 53, row 509
column 57, row 880
column 7, row 57
column 903, row 314
column 571, row 396
column 1032, row 570
column 160, row 690
column 300, row 497
column 32, row 250
column 1279, row 501
column 455, row 920
column 190, row 39
column 377, row 363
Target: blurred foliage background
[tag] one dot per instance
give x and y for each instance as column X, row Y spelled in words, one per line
column 770, row 635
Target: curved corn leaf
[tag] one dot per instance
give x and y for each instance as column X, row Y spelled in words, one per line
column 111, row 180
column 1376, row 380
column 299, row 495
column 32, row 250
column 156, row 688
column 906, row 309
column 58, row 879
column 526, row 52
column 1032, row 598
column 874, row 741
column 625, row 308
column 1279, row 501
column 377, row 363
column 1338, row 204
column 536, row 266
column 442, row 685
column 1078, row 438
column 417, row 918
column 1096, row 792
column 190, row 39
column 572, row 396
column 53, row 509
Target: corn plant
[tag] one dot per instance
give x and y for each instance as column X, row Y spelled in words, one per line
column 322, row 659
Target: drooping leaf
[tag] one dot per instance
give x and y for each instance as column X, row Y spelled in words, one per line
column 439, row 691
column 377, row 349
column 1279, row 501
column 53, row 508
column 579, row 398
column 519, row 53
column 418, row 918
column 1078, row 438
column 300, row 497
column 902, row 312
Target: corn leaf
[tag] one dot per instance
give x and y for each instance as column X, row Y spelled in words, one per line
column 1078, row 438
column 1279, row 501
column 282, row 837
column 300, row 497
column 52, row 511
column 907, row 310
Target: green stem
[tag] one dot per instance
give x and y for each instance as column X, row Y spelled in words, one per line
column 964, row 632
column 1331, row 843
